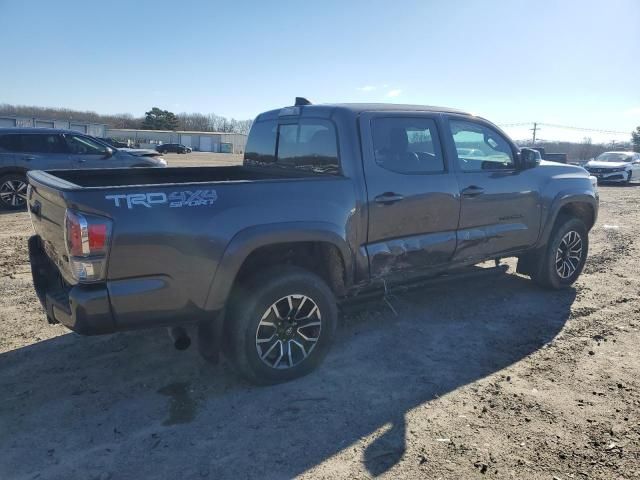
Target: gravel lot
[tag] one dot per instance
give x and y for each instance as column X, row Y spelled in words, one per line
column 478, row 379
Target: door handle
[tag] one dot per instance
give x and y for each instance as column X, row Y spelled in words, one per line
column 472, row 191
column 388, row 198
column 28, row 159
column 82, row 160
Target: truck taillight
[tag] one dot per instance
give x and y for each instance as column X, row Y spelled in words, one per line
column 87, row 239
column 97, row 237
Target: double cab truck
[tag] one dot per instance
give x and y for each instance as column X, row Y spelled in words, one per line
column 331, row 201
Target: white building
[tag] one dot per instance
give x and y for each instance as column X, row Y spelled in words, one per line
column 93, row 129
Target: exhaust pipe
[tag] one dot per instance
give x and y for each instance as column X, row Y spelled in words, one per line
column 179, row 337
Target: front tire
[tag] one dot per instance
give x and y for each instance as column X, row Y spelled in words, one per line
column 13, row 192
column 560, row 264
column 280, row 325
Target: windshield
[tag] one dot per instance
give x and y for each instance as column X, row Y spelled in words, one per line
column 613, row 157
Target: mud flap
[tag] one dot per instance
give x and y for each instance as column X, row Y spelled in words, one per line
column 529, row 263
column 210, row 334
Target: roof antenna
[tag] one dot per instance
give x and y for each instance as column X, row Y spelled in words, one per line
column 300, row 101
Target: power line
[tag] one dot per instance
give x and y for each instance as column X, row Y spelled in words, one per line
column 520, row 124
column 569, row 127
column 585, row 129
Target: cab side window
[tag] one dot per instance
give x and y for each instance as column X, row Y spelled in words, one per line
column 80, row 145
column 407, row 145
column 480, row 148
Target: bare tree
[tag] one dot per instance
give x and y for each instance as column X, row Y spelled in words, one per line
column 586, row 150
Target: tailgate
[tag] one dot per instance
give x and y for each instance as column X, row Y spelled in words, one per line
column 47, row 208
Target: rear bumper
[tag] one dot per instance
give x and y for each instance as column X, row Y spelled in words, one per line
column 108, row 307
column 82, row 308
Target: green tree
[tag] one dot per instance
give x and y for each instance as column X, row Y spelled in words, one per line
column 158, row 119
column 635, row 139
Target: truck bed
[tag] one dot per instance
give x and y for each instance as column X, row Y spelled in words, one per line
column 118, row 177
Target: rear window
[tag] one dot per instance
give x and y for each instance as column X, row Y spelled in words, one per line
column 261, row 144
column 309, row 145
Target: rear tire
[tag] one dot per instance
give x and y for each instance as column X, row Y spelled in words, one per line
column 561, row 262
column 280, row 325
column 13, row 191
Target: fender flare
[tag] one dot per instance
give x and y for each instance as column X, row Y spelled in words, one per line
column 563, row 198
column 248, row 240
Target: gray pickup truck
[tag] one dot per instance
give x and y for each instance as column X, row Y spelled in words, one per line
column 24, row 149
column 331, row 202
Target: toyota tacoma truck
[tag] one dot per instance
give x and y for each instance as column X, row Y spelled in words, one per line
column 331, row 202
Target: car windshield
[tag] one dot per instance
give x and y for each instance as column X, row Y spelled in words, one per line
column 613, row 157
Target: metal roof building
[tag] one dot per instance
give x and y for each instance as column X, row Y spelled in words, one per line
column 94, row 129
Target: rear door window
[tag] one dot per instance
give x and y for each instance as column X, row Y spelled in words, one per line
column 407, row 145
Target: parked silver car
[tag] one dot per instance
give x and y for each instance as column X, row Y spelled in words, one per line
column 619, row 167
column 23, row 149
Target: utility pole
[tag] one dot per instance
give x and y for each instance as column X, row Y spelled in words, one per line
column 534, row 129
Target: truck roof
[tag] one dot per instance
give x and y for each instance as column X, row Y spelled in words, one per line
column 326, row 109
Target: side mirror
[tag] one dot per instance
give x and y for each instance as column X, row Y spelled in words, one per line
column 109, row 153
column 528, row 158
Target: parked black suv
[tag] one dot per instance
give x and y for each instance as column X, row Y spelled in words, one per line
column 332, row 201
column 23, row 149
column 173, row 148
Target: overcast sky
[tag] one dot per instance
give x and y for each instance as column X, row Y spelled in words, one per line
column 573, row 63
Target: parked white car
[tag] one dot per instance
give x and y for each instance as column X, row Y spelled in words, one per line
column 622, row 167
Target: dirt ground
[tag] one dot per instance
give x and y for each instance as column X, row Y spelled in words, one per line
column 477, row 379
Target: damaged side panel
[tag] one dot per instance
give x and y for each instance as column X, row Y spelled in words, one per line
column 411, row 253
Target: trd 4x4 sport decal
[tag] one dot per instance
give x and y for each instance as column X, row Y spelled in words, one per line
column 184, row 198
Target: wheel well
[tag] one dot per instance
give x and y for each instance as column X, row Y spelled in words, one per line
column 580, row 210
column 322, row 258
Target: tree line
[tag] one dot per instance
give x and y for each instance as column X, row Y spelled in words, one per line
column 154, row 119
